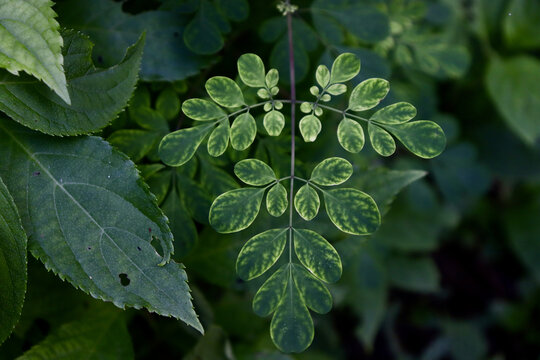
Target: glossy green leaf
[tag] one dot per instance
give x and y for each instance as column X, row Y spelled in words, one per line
column 235, row 210
column 12, row 263
column 291, row 328
column 316, row 254
column 332, row 171
column 251, row 70
column 307, row 202
column 219, row 139
column 260, row 253
column 351, row 135
column 352, row 211
column 243, row 131
column 97, row 95
column 310, row 127
column 254, row 172
column 513, row 84
column 224, row 91
column 106, row 253
column 178, row 147
column 322, row 75
column 276, row 200
column 313, row 291
column 202, row 35
column 101, row 334
column 368, row 94
column 202, row 110
column 345, row 67
column 423, row 138
column 30, row 42
column 274, row 122
column 397, row 113
column 271, row 292
column 522, row 25
column 382, row 142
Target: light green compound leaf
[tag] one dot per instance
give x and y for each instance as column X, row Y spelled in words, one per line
column 513, row 85
column 316, row 254
column 270, row 293
column 310, row 127
column 260, row 253
column 225, row 92
column 351, row 135
column 97, row 95
column 307, row 202
column 274, row 122
column 202, row 110
column 235, row 210
column 345, row 67
column 397, row 113
column 243, row 131
column 272, row 78
column 91, row 219
column 254, row 172
column 178, row 147
column 336, row 89
column 423, row 138
column 276, row 200
column 251, row 70
column 12, row 263
column 219, row 139
column 101, row 335
column 332, row 171
column 368, row 94
column 383, row 143
column 30, row 42
column 352, row 211
column 291, row 328
column 313, row 291
column 322, row 75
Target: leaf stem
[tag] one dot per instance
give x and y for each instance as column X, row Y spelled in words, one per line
column 293, row 120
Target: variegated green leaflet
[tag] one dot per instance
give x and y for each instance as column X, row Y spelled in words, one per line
column 309, row 260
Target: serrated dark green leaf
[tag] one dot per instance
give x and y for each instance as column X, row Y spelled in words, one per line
column 352, row 211
column 61, row 187
column 307, row 202
column 368, row 94
column 254, row 172
column 251, row 70
column 12, row 263
column 274, row 122
column 178, row 147
column 310, row 127
column 345, row 67
column 313, row 291
column 276, row 200
column 397, row 113
column 260, row 253
column 30, row 42
column 235, row 210
column 381, row 141
column 202, row 110
column 97, row 95
column 270, row 293
column 219, row 139
column 316, row 254
column 243, row 131
column 332, row 171
column 225, row 92
column 291, row 328
column 423, row 138
column 351, row 135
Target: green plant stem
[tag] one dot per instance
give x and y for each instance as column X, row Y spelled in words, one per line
column 293, row 120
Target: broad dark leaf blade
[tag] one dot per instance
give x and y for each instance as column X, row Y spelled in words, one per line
column 12, row 263
column 97, row 95
column 90, row 218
